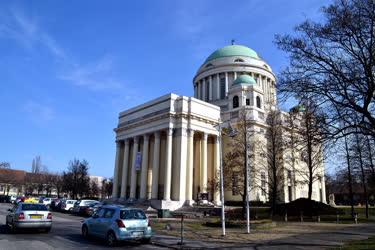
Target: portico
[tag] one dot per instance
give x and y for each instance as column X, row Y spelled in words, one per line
column 168, row 151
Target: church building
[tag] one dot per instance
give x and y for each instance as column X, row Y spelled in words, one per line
column 168, row 149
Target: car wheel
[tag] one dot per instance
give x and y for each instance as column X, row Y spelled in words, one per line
column 70, row 210
column 47, row 230
column 85, row 231
column 111, row 239
column 10, row 228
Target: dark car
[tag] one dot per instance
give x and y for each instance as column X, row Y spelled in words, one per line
column 4, row 198
column 90, row 209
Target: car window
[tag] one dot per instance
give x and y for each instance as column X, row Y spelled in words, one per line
column 35, row 207
column 132, row 215
column 100, row 212
column 108, row 213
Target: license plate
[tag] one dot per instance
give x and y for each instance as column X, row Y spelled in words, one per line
column 36, row 216
column 137, row 234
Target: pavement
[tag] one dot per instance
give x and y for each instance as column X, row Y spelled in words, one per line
column 66, row 234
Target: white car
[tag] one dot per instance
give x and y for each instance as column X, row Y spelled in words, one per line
column 47, row 201
column 68, row 205
column 82, row 203
column 13, row 199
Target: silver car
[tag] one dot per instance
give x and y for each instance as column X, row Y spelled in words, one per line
column 29, row 215
column 117, row 223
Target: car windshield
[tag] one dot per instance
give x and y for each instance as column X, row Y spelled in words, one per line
column 132, row 215
column 34, row 207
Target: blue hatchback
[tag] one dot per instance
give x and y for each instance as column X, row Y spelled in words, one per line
column 117, row 223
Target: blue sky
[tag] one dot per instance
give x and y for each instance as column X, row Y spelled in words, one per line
column 67, row 68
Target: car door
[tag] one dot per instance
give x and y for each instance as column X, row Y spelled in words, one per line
column 105, row 221
column 93, row 222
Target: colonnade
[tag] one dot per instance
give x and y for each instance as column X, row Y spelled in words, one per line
column 209, row 88
column 172, row 153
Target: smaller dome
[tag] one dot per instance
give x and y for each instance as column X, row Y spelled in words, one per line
column 244, row 79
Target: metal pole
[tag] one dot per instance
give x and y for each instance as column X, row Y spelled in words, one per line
column 222, row 183
column 247, row 186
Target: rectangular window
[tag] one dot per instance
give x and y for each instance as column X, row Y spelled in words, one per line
column 222, row 88
column 247, row 102
column 289, row 175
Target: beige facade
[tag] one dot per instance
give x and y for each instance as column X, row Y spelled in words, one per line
column 167, row 151
column 168, row 148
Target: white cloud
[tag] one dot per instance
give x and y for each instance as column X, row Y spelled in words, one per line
column 95, row 76
column 25, row 30
column 39, row 113
column 16, row 25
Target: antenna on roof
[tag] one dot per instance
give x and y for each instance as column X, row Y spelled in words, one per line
column 233, row 41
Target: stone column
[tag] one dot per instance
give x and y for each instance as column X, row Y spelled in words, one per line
column 323, row 183
column 218, row 87
column 226, row 83
column 168, row 165
column 203, row 90
column 182, row 161
column 235, row 76
column 155, row 167
column 143, row 190
column 217, row 169
column 116, row 171
column 190, row 165
column 210, row 88
column 204, row 163
column 124, row 181
column 133, row 179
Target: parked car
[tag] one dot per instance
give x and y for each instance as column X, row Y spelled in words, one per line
column 81, row 203
column 13, row 199
column 47, row 202
column 90, row 209
column 29, row 216
column 67, row 205
column 31, row 200
column 20, row 199
column 4, row 198
column 117, row 223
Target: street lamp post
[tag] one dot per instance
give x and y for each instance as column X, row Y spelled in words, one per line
column 222, row 182
column 247, row 184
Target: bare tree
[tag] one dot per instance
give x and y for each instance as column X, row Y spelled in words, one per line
column 235, row 160
column 271, row 149
column 310, row 141
column 4, row 165
column 333, row 62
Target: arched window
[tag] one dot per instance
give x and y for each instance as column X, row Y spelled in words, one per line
column 235, row 102
column 238, row 60
column 259, row 102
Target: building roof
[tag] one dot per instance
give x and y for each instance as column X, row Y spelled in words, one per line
column 244, row 79
column 12, row 176
column 233, row 50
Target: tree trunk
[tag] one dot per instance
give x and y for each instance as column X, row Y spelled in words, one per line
column 363, row 174
column 349, row 178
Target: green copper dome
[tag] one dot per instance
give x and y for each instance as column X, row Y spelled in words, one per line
column 233, row 50
column 244, row 79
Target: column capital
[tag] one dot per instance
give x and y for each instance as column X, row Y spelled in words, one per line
column 205, row 136
column 157, row 134
column 146, row 137
column 190, row 132
column 118, row 143
column 126, row 141
column 170, row 131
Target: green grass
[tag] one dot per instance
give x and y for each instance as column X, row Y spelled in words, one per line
column 358, row 244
